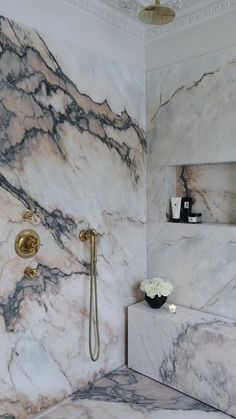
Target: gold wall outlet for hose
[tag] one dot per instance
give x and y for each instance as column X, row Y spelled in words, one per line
column 27, row 243
column 87, row 234
column 30, row 273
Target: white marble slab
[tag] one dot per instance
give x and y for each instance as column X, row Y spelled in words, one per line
column 213, row 189
column 191, row 110
column 161, row 186
column 200, row 262
column 73, row 147
column 127, row 394
column 191, row 120
column 191, row 351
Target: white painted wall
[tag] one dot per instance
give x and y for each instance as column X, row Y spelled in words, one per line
column 65, row 21
column 211, row 35
column 68, row 22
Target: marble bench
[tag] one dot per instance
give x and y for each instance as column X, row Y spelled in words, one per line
column 191, row 351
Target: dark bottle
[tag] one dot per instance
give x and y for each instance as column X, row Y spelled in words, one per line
column 186, row 209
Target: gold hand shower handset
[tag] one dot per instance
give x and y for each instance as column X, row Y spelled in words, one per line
column 92, row 235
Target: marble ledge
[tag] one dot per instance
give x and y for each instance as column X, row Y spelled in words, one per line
column 181, row 229
column 190, row 351
column 186, row 226
column 183, row 316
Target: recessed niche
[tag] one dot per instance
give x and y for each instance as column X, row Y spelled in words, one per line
column 212, row 186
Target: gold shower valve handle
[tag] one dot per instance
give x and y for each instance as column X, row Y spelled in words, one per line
column 30, row 272
column 27, row 243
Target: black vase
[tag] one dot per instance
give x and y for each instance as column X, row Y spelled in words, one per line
column 156, row 302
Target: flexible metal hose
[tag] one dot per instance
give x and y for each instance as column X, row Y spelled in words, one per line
column 93, row 311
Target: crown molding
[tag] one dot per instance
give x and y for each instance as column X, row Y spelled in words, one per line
column 110, row 16
column 191, row 19
column 124, row 23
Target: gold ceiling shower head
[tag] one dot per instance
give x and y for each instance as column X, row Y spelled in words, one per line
column 156, row 14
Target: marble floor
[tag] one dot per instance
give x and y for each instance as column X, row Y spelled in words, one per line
column 127, row 394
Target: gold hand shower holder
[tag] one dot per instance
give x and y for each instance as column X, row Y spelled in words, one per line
column 92, row 235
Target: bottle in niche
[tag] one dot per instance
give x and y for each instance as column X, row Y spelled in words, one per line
column 176, row 209
column 186, row 208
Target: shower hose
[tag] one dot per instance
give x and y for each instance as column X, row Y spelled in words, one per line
column 94, row 347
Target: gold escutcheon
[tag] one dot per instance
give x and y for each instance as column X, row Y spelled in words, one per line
column 27, row 243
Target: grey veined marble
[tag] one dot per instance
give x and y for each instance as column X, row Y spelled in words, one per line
column 126, row 394
column 213, row 188
column 191, row 351
column 73, row 148
column 199, row 261
column 191, row 105
column 191, row 121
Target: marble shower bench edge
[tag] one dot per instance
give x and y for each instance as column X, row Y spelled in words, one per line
column 190, row 351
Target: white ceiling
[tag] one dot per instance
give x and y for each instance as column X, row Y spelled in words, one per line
column 124, row 14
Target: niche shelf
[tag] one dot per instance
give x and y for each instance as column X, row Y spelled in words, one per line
column 212, row 186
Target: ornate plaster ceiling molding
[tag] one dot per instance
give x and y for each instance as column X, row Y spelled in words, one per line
column 132, row 7
column 122, row 14
column 110, row 16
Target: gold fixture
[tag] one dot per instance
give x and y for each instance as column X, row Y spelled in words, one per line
column 156, row 14
column 30, row 216
column 27, row 243
column 92, row 235
column 30, row 272
column 87, row 234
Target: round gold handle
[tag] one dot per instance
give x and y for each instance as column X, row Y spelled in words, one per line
column 31, row 216
column 30, row 272
column 27, row 243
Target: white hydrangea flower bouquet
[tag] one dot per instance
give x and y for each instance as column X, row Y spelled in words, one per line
column 156, row 287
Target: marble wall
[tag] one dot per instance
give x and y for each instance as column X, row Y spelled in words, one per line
column 191, row 107
column 72, row 148
column 124, row 393
column 191, row 110
column 213, row 189
column 190, row 351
